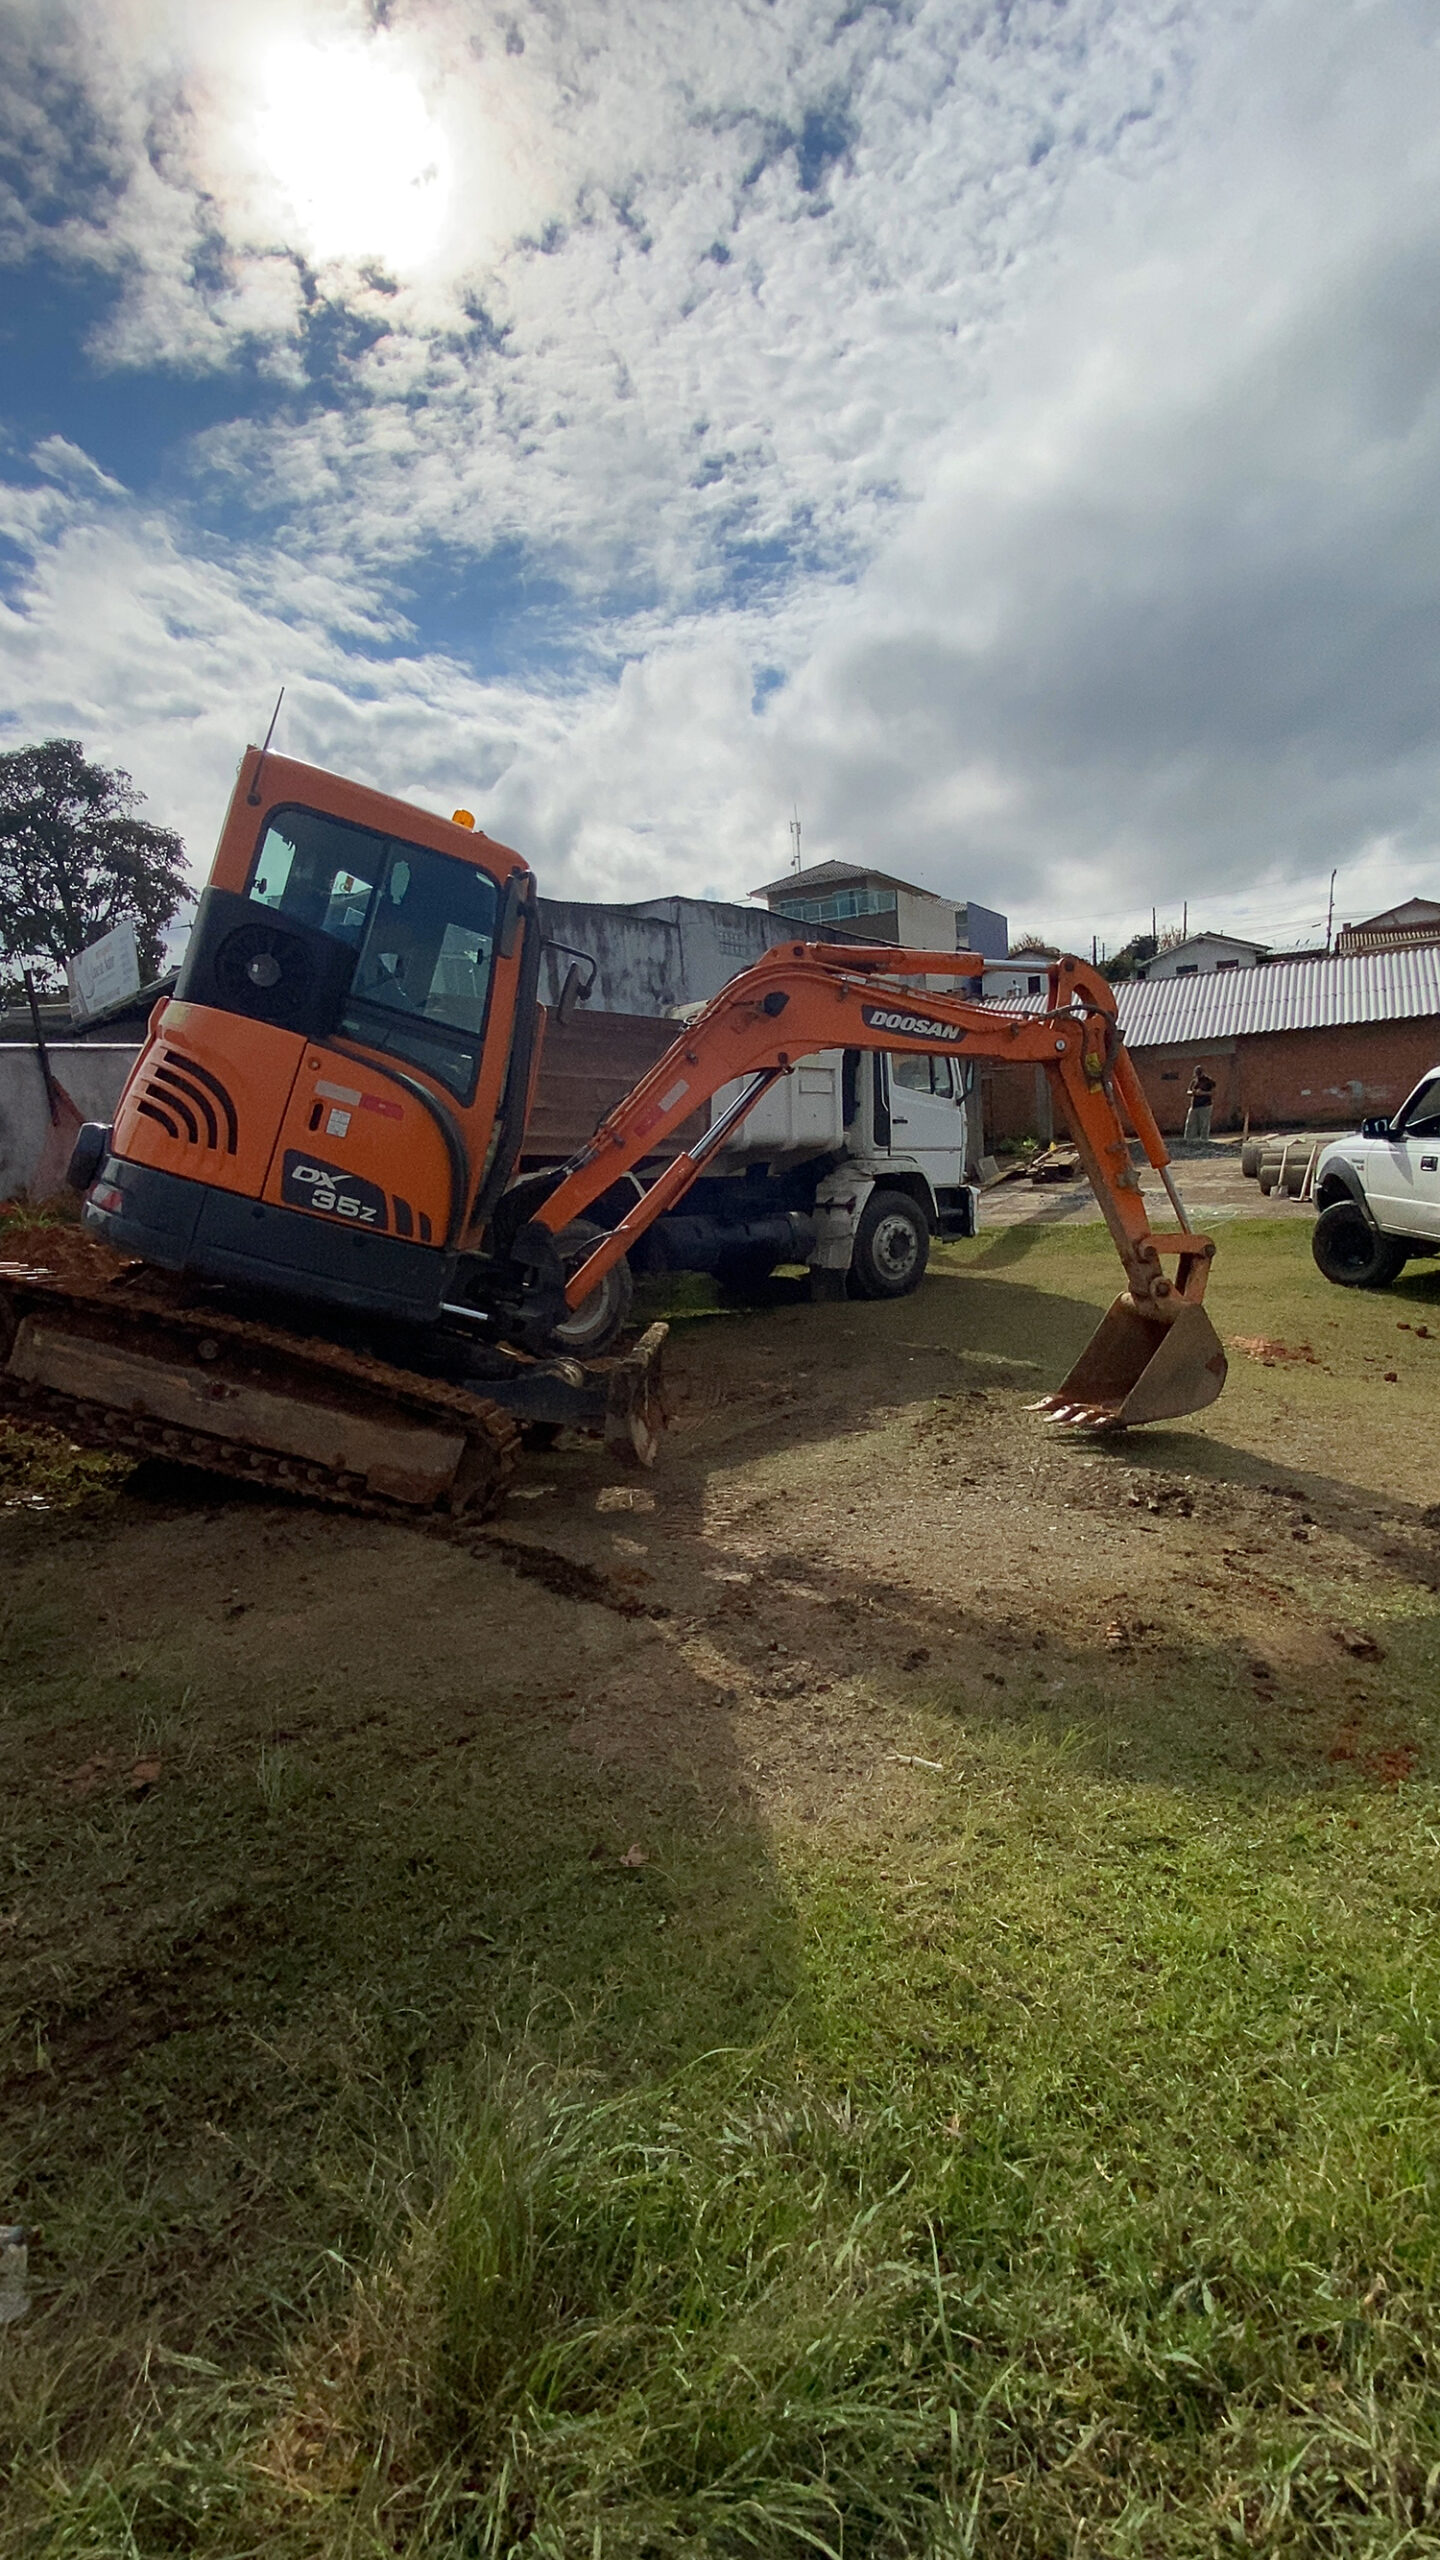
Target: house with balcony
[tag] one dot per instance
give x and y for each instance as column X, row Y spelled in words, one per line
column 876, row 906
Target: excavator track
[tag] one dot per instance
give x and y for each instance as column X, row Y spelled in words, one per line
column 120, row 1356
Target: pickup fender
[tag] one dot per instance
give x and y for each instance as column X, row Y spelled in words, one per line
column 1343, row 1181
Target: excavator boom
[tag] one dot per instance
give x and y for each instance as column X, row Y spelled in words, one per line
column 1155, row 1355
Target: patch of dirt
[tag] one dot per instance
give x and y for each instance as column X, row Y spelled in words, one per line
column 845, row 1534
column 60, row 1246
column 856, row 1528
column 1258, row 1346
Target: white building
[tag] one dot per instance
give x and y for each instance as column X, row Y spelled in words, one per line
column 1200, row 954
column 1024, row 973
column 873, row 906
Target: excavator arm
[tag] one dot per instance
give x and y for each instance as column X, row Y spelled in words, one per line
column 1155, row 1355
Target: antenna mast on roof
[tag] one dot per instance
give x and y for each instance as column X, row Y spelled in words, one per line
column 795, row 840
column 253, row 794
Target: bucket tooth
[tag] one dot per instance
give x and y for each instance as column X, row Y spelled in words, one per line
column 1141, row 1368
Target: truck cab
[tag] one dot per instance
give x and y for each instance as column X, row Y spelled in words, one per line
column 850, row 1164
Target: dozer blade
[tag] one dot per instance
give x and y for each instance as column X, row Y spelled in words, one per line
column 634, row 1413
column 1135, row 1368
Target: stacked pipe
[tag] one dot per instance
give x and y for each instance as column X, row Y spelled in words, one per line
column 1286, row 1165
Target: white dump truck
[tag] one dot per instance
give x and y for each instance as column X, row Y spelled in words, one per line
column 850, row 1164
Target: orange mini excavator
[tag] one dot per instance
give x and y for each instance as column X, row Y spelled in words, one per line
column 312, row 1263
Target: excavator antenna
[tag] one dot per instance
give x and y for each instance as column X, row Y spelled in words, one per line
column 253, row 794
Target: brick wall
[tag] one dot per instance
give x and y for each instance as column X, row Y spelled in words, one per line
column 1284, row 1079
column 1295, row 1079
column 1015, row 1103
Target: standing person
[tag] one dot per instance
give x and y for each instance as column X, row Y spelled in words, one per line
column 1199, row 1096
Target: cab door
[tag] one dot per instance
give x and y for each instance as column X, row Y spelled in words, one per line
column 927, row 1117
column 1402, row 1173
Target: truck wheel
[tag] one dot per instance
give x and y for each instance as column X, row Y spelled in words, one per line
column 1351, row 1252
column 591, row 1327
column 743, row 1274
column 892, row 1247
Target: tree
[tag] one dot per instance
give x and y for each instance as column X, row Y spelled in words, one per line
column 75, row 860
column 1131, row 959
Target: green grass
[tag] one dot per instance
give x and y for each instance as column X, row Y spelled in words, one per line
column 1051, row 2169
column 1087, row 2204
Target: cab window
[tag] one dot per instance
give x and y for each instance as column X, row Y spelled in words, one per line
column 422, row 926
column 924, row 1075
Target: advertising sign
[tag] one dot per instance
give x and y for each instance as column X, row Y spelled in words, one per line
column 105, row 974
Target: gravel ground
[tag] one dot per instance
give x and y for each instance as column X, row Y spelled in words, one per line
column 1209, row 1179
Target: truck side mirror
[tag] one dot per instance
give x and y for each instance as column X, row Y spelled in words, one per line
column 1377, row 1126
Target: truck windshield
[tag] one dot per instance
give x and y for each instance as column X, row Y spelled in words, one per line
column 1420, row 1117
column 422, row 926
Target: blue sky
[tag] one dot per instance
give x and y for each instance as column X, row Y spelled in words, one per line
column 1009, row 431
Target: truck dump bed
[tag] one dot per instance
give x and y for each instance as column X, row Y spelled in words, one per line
column 588, row 1065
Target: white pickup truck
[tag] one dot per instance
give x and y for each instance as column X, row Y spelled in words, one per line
column 1378, row 1194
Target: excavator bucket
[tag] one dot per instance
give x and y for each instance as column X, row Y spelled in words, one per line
column 1135, row 1368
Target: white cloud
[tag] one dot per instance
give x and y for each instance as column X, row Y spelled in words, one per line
column 737, row 260
column 1077, row 429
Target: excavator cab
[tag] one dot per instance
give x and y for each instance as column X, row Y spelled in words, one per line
column 335, row 1095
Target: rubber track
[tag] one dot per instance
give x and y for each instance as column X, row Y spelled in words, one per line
column 126, row 1307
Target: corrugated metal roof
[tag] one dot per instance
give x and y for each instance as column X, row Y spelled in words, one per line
column 1281, row 995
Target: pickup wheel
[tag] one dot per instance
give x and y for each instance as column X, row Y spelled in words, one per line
column 892, row 1247
column 1351, row 1252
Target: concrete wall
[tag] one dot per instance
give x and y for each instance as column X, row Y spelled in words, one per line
column 1004, row 980
column 91, row 1075
column 981, row 929
column 922, row 922
column 665, row 951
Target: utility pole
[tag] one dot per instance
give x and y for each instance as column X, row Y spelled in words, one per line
column 1185, row 922
column 1330, row 915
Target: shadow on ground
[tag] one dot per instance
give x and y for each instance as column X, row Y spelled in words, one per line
column 300, row 1808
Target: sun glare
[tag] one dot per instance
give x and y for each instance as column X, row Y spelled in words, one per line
column 355, row 156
